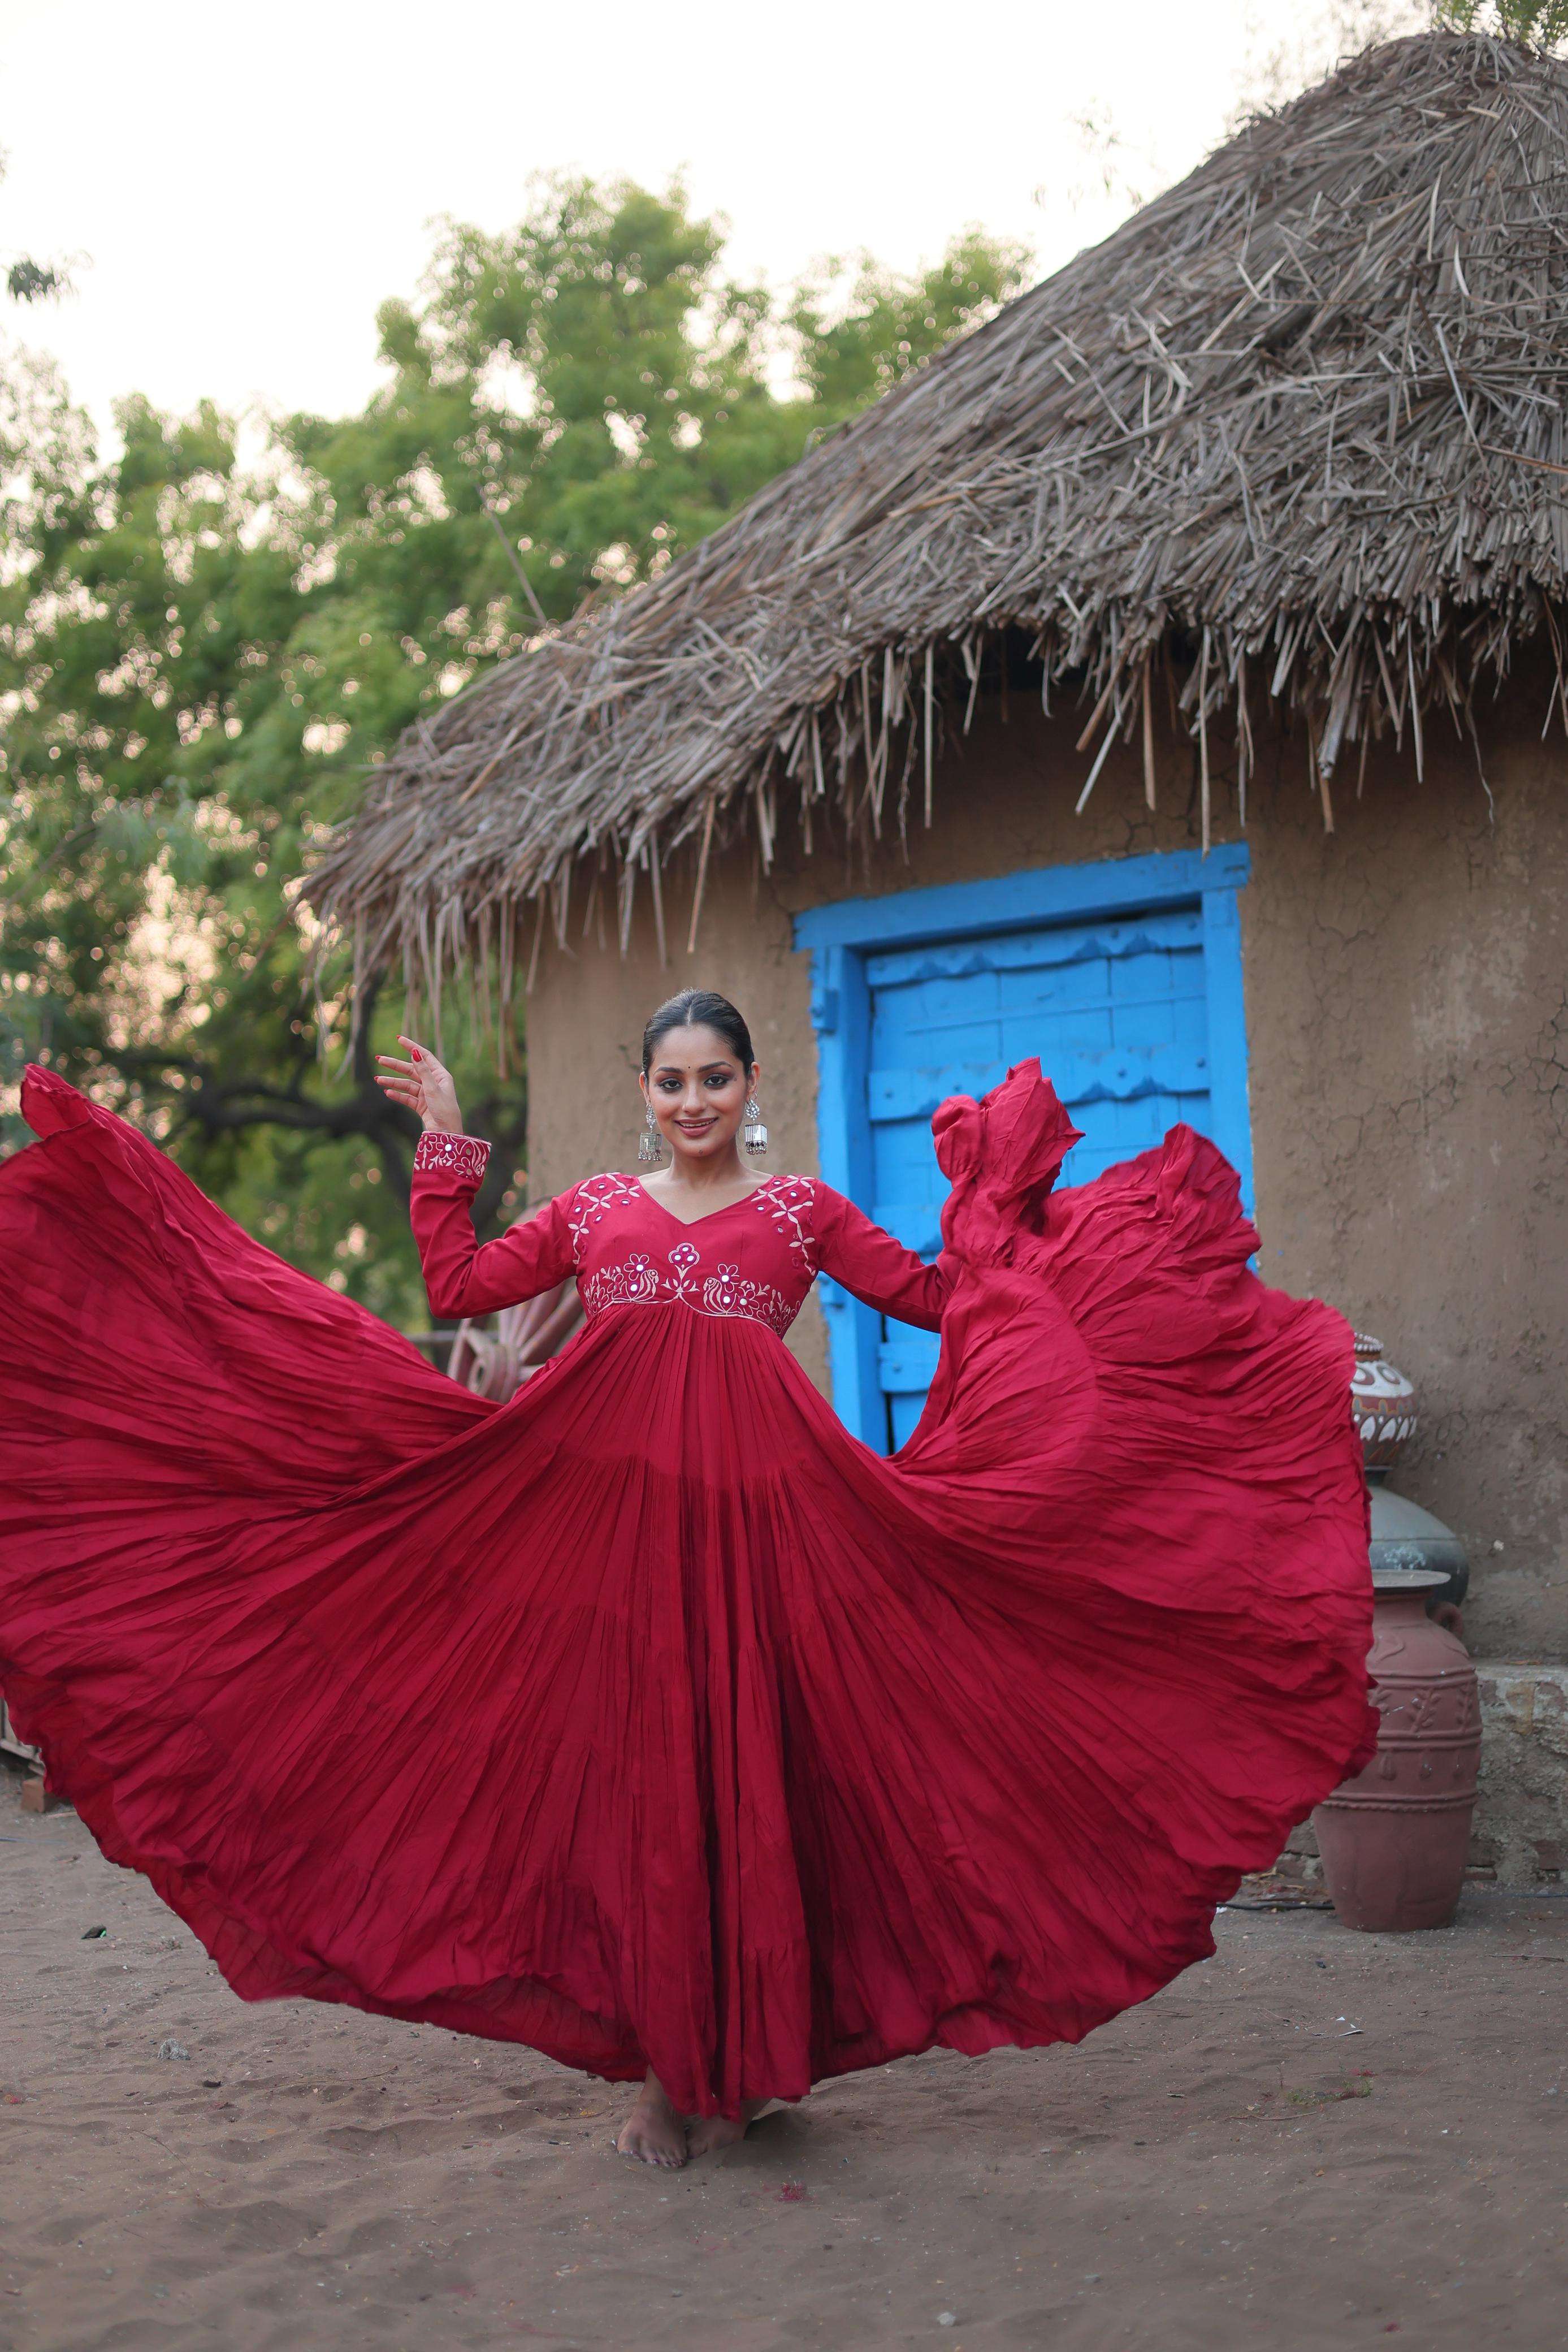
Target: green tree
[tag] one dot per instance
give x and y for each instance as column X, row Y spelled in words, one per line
column 200, row 654
column 1541, row 24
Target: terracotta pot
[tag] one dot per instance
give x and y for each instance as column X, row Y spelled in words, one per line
column 1381, row 1403
column 1395, row 1840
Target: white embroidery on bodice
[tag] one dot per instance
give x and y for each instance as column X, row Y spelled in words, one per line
column 787, row 1201
column 679, row 1277
column 594, row 1199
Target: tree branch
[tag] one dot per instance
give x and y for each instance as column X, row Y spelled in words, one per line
column 215, row 1107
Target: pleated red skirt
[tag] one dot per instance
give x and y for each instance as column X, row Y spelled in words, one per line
column 650, row 1719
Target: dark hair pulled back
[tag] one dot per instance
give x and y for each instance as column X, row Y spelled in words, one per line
column 700, row 1008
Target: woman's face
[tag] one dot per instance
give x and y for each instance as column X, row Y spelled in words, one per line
column 697, row 1088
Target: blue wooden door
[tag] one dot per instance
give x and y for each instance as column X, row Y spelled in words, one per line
column 1117, row 1012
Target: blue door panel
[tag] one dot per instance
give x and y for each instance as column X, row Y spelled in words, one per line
column 1125, row 978
column 1117, row 1013
column 1036, row 945
column 1105, row 1074
column 908, row 1367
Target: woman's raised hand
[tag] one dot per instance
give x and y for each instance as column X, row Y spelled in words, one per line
column 423, row 1085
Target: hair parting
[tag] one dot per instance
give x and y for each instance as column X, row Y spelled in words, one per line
column 700, row 1008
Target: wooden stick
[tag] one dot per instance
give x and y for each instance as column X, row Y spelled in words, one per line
column 1545, row 464
column 651, row 853
column 1320, row 777
column 702, row 875
column 1203, row 739
column 1094, row 717
column 1148, row 735
column 1103, row 753
column 511, row 555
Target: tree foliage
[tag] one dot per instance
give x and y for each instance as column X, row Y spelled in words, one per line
column 1540, row 23
column 207, row 635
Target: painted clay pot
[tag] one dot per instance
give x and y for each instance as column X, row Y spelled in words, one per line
column 1381, row 1403
column 1396, row 1839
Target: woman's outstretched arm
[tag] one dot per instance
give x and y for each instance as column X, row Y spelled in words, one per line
column 463, row 1275
column 874, row 1267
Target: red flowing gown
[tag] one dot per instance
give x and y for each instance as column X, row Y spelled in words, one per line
column 650, row 1718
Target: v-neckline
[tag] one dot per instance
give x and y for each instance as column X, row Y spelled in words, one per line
column 686, row 1222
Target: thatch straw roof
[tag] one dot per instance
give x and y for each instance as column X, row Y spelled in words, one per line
column 1295, row 430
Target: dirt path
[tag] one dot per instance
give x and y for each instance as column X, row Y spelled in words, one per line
column 1230, row 2165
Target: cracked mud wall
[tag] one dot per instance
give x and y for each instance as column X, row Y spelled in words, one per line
column 1406, row 984
column 1408, row 1017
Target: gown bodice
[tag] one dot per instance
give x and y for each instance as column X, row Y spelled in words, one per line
column 753, row 1261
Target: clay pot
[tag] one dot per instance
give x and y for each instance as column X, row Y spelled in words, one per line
column 1381, row 1403
column 1405, row 1536
column 1396, row 1839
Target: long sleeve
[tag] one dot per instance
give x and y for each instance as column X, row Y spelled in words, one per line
column 463, row 1275
column 874, row 1267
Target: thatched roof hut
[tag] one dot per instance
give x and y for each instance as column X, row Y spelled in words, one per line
column 1014, row 720
column 1294, row 432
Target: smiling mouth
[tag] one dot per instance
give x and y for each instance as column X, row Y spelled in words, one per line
column 696, row 1127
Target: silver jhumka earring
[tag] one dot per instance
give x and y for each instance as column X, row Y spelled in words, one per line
column 754, row 1134
column 650, row 1142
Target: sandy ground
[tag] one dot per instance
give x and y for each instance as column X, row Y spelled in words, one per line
column 1317, row 2138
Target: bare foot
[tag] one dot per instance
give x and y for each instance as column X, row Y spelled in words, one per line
column 706, row 2134
column 652, row 2132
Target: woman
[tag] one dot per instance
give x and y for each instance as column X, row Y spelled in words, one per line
column 650, row 1719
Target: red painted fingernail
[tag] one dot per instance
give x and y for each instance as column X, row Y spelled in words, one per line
column 415, row 1051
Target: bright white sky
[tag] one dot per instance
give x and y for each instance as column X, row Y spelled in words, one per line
column 244, row 186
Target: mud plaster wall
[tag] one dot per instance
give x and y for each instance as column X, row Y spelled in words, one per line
column 1407, row 984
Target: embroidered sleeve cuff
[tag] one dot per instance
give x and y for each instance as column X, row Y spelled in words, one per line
column 452, row 1155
